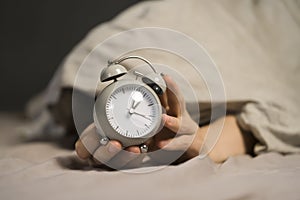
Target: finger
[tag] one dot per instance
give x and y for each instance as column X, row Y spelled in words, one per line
column 133, row 149
column 179, row 143
column 124, row 157
column 164, row 101
column 81, row 151
column 174, row 108
column 137, row 162
column 88, row 142
column 172, row 123
column 172, row 85
column 104, row 153
column 175, row 98
column 151, row 144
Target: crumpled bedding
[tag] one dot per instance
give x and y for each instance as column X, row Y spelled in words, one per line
column 44, row 170
column 255, row 45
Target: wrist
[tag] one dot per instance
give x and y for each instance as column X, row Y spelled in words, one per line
column 197, row 143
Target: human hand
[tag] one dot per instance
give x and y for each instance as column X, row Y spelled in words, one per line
column 190, row 137
column 89, row 148
column 180, row 133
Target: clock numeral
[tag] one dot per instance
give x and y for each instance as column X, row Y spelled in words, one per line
column 123, row 90
column 146, row 125
column 113, row 96
column 151, row 104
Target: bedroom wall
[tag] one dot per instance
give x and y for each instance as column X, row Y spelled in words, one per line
column 36, row 35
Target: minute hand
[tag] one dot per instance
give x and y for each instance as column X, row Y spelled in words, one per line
column 142, row 115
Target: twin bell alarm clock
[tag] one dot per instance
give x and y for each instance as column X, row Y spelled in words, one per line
column 129, row 109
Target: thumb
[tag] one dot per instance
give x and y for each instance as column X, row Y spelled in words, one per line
column 171, row 123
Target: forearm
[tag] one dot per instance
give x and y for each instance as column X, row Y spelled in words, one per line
column 232, row 140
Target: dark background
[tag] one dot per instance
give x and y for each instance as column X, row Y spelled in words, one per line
column 35, row 35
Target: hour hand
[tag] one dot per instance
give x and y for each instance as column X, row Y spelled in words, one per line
column 136, row 97
column 135, row 105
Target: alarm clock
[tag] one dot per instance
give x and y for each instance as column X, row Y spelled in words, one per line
column 129, row 109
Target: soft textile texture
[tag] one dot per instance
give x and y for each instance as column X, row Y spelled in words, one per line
column 255, row 44
column 43, row 170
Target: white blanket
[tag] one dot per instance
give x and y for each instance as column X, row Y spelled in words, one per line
column 255, row 44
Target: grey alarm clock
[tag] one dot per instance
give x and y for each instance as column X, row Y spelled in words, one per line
column 129, row 109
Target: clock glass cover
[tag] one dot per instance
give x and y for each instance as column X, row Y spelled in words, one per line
column 133, row 111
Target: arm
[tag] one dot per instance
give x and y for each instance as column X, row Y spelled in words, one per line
column 178, row 128
column 232, row 140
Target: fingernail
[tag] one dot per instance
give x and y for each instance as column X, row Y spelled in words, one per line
column 167, row 108
column 167, row 120
column 112, row 149
column 164, row 117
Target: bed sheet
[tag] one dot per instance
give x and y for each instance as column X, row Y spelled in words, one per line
column 45, row 170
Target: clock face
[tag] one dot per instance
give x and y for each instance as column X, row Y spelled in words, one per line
column 133, row 110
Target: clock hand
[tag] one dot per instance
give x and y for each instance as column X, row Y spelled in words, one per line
column 131, row 108
column 142, row 115
column 134, row 106
column 136, row 97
